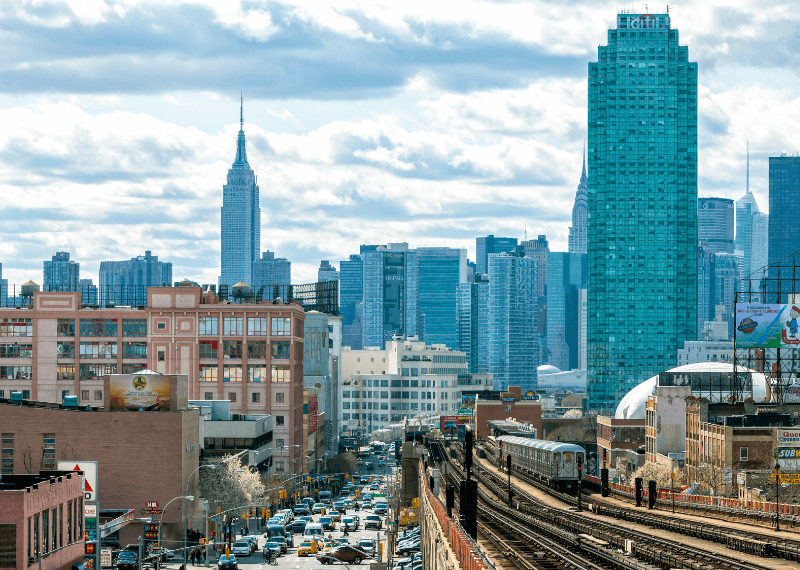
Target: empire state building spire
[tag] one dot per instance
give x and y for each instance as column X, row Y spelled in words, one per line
column 241, row 149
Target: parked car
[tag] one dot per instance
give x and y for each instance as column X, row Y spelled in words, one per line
column 343, row 553
column 307, row 548
column 373, row 521
column 127, row 560
column 408, row 548
column 242, row 548
column 228, row 563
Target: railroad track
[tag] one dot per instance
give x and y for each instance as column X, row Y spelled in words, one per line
column 664, row 553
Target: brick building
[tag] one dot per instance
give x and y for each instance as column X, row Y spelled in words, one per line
column 142, row 456
column 511, row 405
column 41, row 516
column 615, row 437
column 249, row 353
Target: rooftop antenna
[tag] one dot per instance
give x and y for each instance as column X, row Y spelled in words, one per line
column 748, row 167
column 526, row 233
column 241, row 111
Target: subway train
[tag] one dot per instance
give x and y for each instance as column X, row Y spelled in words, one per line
column 551, row 462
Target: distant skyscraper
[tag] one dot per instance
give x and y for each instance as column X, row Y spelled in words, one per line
column 327, row 272
column 715, row 225
column 270, row 270
column 3, row 287
column 440, row 270
column 566, row 278
column 88, row 292
column 61, row 274
column 727, row 275
column 241, row 218
column 706, row 288
column 351, row 298
column 784, row 213
column 126, row 282
column 472, row 307
column 389, row 282
column 490, row 244
column 513, row 341
column 537, row 249
column 579, row 231
column 642, row 247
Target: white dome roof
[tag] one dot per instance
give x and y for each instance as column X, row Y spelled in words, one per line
column 547, row 369
column 632, row 406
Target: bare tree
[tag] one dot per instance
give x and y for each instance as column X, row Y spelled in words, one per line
column 572, row 431
column 27, row 459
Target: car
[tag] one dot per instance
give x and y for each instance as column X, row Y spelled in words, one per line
column 228, row 563
column 277, row 542
column 381, row 464
column 276, row 530
column 381, row 508
column 306, row 518
column 313, row 531
column 344, row 553
column 350, row 523
column 345, row 491
column 370, row 467
column 373, row 487
column 373, row 521
column 317, row 508
column 367, row 545
column 300, row 509
column 242, row 548
column 307, row 548
column 364, row 480
column 165, row 553
column 297, row 526
column 127, row 560
column 253, row 540
column 408, row 548
column 335, row 515
column 308, row 501
column 327, row 523
column 340, row 505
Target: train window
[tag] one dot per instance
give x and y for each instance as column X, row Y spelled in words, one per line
column 569, row 456
column 556, row 458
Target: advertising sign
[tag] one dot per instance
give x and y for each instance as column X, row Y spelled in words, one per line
column 105, row 558
column 789, row 438
column 89, row 469
column 468, row 402
column 151, row 531
column 529, row 395
column 139, row 392
column 764, row 325
column 449, row 424
column 788, row 453
column 312, row 414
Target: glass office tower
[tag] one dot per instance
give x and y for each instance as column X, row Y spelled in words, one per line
column 642, row 245
column 784, row 240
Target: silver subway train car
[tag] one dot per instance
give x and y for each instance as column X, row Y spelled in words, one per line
column 551, row 462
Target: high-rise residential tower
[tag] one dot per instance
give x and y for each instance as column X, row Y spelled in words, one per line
column 715, row 225
column 61, row 274
column 566, row 280
column 351, row 299
column 513, row 340
column 241, row 218
column 327, row 272
column 126, row 282
column 579, row 231
column 784, row 211
column 270, row 270
column 472, row 313
column 490, row 244
column 642, row 246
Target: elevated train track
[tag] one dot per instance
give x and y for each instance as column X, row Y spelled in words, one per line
column 588, row 535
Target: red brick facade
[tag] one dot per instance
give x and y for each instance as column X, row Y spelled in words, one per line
column 507, row 408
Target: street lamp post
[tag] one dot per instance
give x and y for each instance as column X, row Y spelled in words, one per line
column 185, row 509
column 161, row 518
column 777, row 497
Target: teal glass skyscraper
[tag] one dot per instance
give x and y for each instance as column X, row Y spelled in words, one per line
column 642, row 244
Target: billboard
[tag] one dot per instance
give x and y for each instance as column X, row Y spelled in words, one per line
column 89, row 469
column 789, row 438
column 449, row 424
column 139, row 392
column 312, row 414
column 766, row 325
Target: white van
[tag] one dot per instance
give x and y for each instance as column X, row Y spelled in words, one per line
column 312, row 531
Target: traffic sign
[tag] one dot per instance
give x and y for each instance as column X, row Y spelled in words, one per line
column 151, row 504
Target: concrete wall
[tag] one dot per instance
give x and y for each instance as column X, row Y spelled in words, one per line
column 671, row 418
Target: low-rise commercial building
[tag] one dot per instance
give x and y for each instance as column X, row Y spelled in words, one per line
column 41, row 520
column 615, row 436
column 511, row 405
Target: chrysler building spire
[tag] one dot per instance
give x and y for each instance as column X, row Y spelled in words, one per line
column 579, row 232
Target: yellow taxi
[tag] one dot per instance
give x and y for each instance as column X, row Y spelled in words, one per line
column 307, row 548
column 335, row 515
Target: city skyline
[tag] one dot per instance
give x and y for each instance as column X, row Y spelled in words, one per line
column 395, row 143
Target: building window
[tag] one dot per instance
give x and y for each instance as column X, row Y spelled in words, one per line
column 208, row 373
column 65, row 327
column 16, row 327
column 280, row 373
column 232, row 348
column 65, row 372
column 208, row 349
column 162, row 355
column 48, row 451
column 26, row 394
column 279, row 421
column 7, row 466
column 279, row 466
column 208, row 326
column 66, row 350
column 98, row 394
column 98, row 350
column 133, row 368
column 84, row 394
column 97, row 371
column 161, row 326
column 17, row 350
column 45, row 527
column 256, row 398
column 280, row 397
column 279, row 443
column 743, row 454
column 232, row 326
column 232, row 396
column 98, row 327
column 209, row 395
column 134, row 327
column 257, row 372
column 134, row 350
column 281, row 326
column 16, row 372
column 280, row 349
column 232, row 373
column 508, row 407
column 256, row 326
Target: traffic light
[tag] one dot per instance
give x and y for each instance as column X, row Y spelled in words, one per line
column 219, row 510
column 308, row 479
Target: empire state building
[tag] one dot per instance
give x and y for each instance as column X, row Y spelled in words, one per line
column 241, row 218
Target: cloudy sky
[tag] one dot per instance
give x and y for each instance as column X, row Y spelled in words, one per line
column 430, row 122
